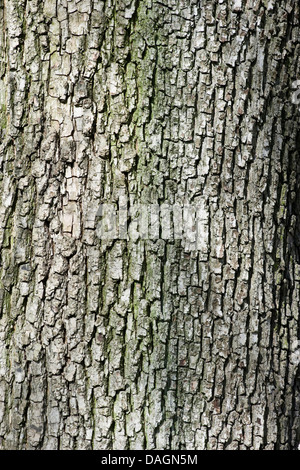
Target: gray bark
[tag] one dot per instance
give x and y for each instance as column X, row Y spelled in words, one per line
column 142, row 343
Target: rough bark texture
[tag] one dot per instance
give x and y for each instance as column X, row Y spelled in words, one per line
column 133, row 344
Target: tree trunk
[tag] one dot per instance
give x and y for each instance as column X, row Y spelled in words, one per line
column 181, row 340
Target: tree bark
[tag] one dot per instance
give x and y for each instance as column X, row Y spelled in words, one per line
column 138, row 342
